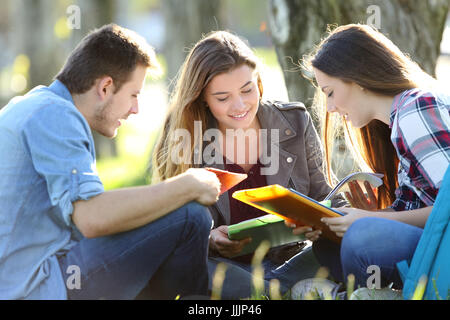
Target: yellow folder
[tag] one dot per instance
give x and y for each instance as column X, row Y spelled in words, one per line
column 291, row 205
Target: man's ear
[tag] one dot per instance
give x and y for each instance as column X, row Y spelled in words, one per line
column 105, row 88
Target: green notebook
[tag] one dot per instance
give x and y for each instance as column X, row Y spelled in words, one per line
column 268, row 227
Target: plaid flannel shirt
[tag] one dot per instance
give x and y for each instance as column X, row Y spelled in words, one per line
column 420, row 123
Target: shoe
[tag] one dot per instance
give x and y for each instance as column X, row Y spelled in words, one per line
column 315, row 289
column 376, row 294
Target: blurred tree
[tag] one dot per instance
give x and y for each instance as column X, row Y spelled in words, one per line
column 245, row 18
column 41, row 40
column 416, row 26
column 32, row 37
column 186, row 21
column 94, row 14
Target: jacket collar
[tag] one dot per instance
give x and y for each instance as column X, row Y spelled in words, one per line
column 271, row 118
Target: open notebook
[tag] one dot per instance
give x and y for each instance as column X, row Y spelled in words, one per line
column 375, row 180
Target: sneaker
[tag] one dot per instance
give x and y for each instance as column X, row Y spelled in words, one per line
column 376, row 294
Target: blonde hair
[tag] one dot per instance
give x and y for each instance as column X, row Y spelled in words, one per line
column 362, row 55
column 218, row 52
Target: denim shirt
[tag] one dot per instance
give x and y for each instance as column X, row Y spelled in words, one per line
column 47, row 162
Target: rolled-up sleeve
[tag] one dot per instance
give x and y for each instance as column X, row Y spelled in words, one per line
column 61, row 146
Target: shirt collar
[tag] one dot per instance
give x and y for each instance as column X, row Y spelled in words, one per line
column 61, row 90
column 394, row 108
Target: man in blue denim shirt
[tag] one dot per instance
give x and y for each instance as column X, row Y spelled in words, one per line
column 61, row 235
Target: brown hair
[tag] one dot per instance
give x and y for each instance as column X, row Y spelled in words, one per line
column 109, row 51
column 218, row 52
column 362, row 55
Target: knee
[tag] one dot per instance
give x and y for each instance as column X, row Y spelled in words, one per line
column 363, row 233
column 365, row 230
column 199, row 215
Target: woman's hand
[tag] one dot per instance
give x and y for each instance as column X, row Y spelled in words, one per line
column 340, row 225
column 358, row 199
column 220, row 242
column 309, row 233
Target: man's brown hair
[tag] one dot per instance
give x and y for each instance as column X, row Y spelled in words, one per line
column 109, row 51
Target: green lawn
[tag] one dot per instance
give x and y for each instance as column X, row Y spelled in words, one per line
column 130, row 167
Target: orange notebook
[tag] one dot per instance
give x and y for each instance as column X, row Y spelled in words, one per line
column 227, row 179
column 291, row 205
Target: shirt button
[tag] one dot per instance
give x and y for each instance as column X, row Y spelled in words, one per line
column 288, row 132
column 74, row 171
column 289, row 160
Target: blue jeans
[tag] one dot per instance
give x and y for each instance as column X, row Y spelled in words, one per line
column 160, row 260
column 238, row 282
column 369, row 241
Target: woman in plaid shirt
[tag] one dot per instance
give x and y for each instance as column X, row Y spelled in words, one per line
column 399, row 127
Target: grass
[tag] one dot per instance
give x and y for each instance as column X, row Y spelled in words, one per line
column 259, row 292
column 130, row 167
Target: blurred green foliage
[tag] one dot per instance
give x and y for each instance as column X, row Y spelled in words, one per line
column 128, row 168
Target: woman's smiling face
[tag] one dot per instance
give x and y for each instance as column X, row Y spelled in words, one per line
column 233, row 98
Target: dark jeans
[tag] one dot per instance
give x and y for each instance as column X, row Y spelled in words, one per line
column 369, row 242
column 160, row 260
column 238, row 282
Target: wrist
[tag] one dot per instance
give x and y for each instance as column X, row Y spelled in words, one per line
column 189, row 186
column 370, row 214
column 212, row 242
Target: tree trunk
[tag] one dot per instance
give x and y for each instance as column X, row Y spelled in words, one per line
column 296, row 26
column 186, row 22
column 32, row 26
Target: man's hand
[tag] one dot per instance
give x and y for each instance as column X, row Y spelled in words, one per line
column 220, row 242
column 206, row 185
